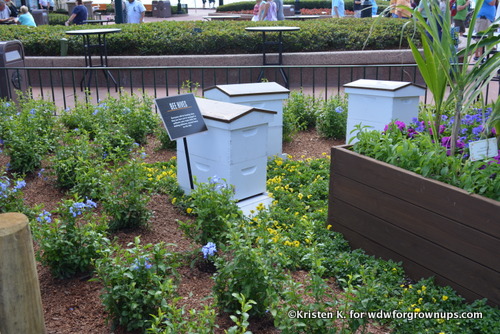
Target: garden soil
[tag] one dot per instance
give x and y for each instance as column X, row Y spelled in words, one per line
column 73, row 305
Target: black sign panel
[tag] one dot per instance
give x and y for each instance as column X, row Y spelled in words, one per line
column 181, row 115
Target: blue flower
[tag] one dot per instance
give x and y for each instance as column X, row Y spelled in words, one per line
column 20, row 184
column 45, row 216
column 90, row 203
column 143, row 155
column 96, row 111
column 141, row 262
column 477, row 130
column 209, row 250
column 33, row 111
column 7, row 104
column 339, row 110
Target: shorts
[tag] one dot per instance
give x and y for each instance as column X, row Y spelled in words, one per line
column 460, row 24
column 481, row 24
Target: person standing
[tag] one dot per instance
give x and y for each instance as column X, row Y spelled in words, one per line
column 338, row 8
column 256, row 10
column 26, row 19
column 271, row 12
column 5, row 14
column 402, row 13
column 79, row 14
column 135, row 11
column 459, row 18
column 12, row 8
column 485, row 17
column 280, row 15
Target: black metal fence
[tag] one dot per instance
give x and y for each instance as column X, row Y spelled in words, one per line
column 65, row 85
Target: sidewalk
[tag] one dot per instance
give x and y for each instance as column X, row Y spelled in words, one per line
column 194, row 14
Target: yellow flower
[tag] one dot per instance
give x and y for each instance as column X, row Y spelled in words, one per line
column 261, row 207
column 296, row 243
column 189, row 210
column 174, row 200
column 440, row 321
column 329, row 227
column 417, row 310
column 300, row 196
column 423, row 287
column 420, row 300
column 279, row 162
column 394, row 270
column 444, row 298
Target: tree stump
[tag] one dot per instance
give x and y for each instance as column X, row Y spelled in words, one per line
column 20, row 300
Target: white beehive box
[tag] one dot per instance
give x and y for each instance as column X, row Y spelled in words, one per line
column 262, row 95
column 375, row 103
column 233, row 148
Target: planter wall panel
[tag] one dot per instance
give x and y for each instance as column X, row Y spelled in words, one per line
column 434, row 229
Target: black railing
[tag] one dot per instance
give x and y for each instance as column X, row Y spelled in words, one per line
column 64, row 85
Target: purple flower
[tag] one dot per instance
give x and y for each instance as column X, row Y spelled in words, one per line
column 209, row 250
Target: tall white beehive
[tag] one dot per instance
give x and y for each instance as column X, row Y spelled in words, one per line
column 375, row 103
column 262, row 95
column 233, row 148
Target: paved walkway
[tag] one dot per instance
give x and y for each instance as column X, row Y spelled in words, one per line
column 192, row 15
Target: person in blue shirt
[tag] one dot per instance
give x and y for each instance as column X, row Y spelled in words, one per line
column 338, row 8
column 26, row 19
column 485, row 17
column 79, row 14
column 374, row 7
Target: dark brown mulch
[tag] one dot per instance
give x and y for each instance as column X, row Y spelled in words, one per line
column 73, row 305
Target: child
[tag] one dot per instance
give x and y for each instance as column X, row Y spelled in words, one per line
column 256, row 11
column 26, row 19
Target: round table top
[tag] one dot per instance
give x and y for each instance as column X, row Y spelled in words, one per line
column 97, row 21
column 272, row 29
column 93, row 31
column 302, row 17
column 221, row 17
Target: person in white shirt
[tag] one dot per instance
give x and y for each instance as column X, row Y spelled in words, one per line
column 135, row 11
column 5, row 13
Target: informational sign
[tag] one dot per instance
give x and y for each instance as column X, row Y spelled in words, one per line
column 483, row 149
column 181, row 115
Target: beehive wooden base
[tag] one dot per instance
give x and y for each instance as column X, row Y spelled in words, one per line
column 20, row 300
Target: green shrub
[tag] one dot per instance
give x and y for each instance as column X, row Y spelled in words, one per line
column 299, row 113
column 11, row 194
column 227, row 37
column 57, row 19
column 331, row 120
column 126, row 197
column 248, row 270
column 28, row 133
column 137, row 281
column 213, row 206
column 70, row 243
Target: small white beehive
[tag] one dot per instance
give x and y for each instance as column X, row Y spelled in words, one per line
column 233, row 148
column 375, row 103
column 262, row 95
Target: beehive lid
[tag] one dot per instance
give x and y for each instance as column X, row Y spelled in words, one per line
column 380, row 85
column 226, row 112
column 260, row 88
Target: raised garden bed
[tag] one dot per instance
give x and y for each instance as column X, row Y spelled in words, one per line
column 435, row 229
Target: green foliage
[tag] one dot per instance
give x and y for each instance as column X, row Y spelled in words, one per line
column 213, row 206
column 172, row 319
column 332, row 119
column 443, row 67
column 70, row 243
column 127, row 196
column 11, row 195
column 28, row 132
column 299, row 113
column 228, row 37
column 137, row 281
column 57, row 19
column 246, row 269
column 421, row 155
column 242, row 321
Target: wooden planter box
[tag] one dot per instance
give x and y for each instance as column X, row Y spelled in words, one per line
column 435, row 229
